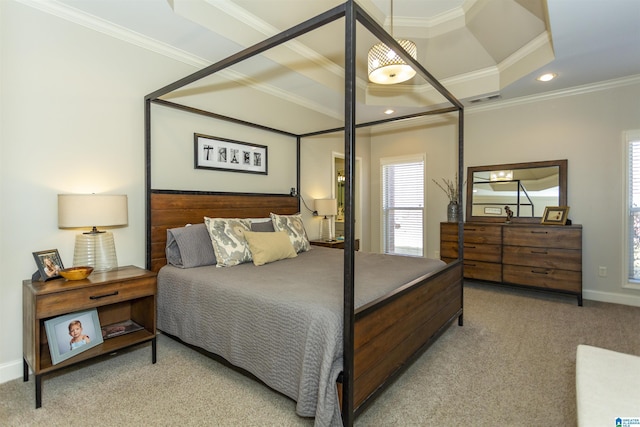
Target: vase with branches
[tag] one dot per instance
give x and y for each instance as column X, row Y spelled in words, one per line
column 450, row 188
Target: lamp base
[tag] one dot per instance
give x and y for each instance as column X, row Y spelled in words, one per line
column 96, row 250
column 326, row 230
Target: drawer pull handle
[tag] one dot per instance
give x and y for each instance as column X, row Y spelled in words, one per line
column 539, row 272
column 469, row 229
column 539, row 252
column 539, row 232
column 94, row 297
column 469, row 246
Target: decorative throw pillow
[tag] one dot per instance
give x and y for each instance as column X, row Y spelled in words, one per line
column 294, row 227
column 269, row 247
column 189, row 246
column 227, row 237
column 261, row 224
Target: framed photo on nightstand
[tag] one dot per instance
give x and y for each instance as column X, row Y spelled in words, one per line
column 49, row 264
column 72, row 334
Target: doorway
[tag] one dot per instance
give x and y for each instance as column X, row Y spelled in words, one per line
column 338, row 190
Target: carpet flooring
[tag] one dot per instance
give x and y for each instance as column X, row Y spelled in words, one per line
column 511, row 364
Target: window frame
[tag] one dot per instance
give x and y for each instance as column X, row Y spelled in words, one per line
column 629, row 137
column 394, row 160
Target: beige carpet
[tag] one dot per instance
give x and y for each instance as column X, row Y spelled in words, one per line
column 512, row 364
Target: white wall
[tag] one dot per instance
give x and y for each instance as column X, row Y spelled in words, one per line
column 173, row 157
column 72, row 122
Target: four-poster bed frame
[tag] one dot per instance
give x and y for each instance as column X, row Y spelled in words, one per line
column 419, row 312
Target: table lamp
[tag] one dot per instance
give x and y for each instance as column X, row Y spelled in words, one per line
column 326, row 208
column 93, row 248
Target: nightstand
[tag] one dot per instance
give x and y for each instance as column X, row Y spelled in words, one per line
column 126, row 293
column 338, row 244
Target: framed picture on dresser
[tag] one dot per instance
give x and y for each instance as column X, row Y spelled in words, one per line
column 555, row 215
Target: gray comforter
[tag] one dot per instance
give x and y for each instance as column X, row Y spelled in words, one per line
column 281, row 321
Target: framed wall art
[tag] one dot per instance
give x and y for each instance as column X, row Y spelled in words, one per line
column 72, row 333
column 49, row 265
column 555, row 215
column 211, row 152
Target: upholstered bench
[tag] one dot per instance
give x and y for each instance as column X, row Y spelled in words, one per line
column 607, row 386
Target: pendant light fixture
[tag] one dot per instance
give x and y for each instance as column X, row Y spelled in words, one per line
column 385, row 66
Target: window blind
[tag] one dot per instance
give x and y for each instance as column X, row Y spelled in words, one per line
column 403, row 207
column 633, row 225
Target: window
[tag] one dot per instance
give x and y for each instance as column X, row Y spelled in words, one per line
column 403, row 205
column 632, row 139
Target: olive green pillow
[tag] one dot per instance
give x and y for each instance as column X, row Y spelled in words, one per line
column 268, row 247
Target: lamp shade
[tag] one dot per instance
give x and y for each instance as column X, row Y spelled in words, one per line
column 326, row 207
column 386, row 67
column 92, row 210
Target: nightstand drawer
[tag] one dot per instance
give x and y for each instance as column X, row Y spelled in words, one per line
column 93, row 296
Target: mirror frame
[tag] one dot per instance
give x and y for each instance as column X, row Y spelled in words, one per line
column 562, row 178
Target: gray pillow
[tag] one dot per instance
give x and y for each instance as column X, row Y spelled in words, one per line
column 264, row 226
column 189, row 247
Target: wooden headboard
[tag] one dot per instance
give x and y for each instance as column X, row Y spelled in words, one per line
column 171, row 209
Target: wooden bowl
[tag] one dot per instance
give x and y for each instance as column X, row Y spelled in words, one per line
column 76, row 273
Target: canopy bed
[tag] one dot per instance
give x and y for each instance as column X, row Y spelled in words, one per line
column 382, row 324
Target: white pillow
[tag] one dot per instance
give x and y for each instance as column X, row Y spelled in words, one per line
column 227, row 237
column 294, row 227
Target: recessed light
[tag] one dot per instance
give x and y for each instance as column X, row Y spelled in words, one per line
column 547, row 77
column 389, row 111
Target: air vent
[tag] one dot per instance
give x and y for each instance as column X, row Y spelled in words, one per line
column 485, row 98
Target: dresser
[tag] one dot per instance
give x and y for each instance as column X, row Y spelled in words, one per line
column 542, row 257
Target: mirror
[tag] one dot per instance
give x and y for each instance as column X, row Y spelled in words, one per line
column 526, row 188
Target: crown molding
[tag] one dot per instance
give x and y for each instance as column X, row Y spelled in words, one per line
column 91, row 22
column 561, row 93
column 75, row 16
column 497, row 105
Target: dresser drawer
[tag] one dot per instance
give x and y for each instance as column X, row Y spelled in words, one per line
column 481, row 252
column 566, row 259
column 448, row 249
column 93, row 296
column 550, row 278
column 483, row 233
column 543, row 236
column 483, row 271
column 449, row 232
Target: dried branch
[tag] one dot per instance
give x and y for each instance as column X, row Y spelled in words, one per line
column 450, row 188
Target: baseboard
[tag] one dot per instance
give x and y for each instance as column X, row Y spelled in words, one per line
column 612, row 298
column 10, row 371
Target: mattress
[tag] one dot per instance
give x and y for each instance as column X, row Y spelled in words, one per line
column 281, row 321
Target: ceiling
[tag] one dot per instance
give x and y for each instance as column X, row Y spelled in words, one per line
column 479, row 49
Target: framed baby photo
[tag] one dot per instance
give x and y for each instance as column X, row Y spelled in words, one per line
column 49, row 264
column 71, row 334
column 555, row 215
